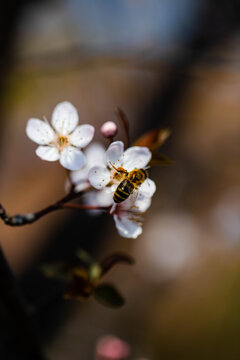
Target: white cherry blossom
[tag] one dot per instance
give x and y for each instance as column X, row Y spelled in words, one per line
column 135, row 157
column 128, row 216
column 95, row 155
column 63, row 139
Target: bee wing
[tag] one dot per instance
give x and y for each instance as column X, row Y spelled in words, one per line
column 133, row 197
column 130, row 201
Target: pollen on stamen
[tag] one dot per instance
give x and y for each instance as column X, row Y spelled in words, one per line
column 62, row 141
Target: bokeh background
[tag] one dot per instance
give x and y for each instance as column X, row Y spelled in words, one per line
column 166, row 63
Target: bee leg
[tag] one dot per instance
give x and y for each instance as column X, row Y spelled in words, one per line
column 119, row 169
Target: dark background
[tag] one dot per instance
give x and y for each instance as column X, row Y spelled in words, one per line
column 170, row 63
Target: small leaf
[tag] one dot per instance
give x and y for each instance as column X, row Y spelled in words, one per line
column 80, row 286
column 84, row 257
column 59, row 271
column 153, row 139
column 94, row 272
column 160, row 159
column 107, row 295
column 113, row 260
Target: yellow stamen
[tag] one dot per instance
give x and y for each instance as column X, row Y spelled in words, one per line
column 62, row 141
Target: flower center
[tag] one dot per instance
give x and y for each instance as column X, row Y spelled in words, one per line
column 62, row 142
column 117, row 175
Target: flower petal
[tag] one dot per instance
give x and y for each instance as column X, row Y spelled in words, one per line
column 82, row 135
column 79, row 176
column 99, row 177
column 148, row 188
column 126, row 227
column 72, row 158
column 84, row 185
column 141, row 205
column 39, row 131
column 89, row 198
column 114, row 153
column 95, row 154
column 64, row 118
column 104, row 197
column 80, row 179
column 136, row 157
column 49, row 153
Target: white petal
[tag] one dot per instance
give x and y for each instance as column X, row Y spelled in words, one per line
column 82, row 135
column 65, row 118
column 39, row 131
column 141, row 205
column 148, row 188
column 72, row 158
column 82, row 186
column 80, row 179
column 89, row 198
column 49, row 153
column 104, row 197
column 95, row 154
column 136, row 157
column 99, row 177
column 79, row 176
column 114, row 153
column 127, row 228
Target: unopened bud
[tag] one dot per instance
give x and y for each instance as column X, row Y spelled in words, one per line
column 110, row 347
column 109, row 129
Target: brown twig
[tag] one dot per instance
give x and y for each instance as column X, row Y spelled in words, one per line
column 29, row 218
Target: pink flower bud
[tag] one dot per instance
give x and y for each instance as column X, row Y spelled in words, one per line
column 109, row 129
column 112, row 348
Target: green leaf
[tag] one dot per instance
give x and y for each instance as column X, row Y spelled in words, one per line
column 59, row 271
column 94, row 272
column 84, row 257
column 80, row 286
column 107, row 295
column 115, row 259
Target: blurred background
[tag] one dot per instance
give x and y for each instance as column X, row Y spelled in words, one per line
column 166, row 63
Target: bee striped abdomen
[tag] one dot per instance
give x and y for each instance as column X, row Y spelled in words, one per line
column 123, row 191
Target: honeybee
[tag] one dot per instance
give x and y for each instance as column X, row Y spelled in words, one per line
column 132, row 180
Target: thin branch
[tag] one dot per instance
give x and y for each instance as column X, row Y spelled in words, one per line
column 29, row 218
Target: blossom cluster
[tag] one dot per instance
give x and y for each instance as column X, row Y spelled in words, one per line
column 96, row 171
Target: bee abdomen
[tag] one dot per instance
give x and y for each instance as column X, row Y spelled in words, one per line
column 123, row 191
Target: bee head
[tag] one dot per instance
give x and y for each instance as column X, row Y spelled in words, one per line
column 138, row 176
